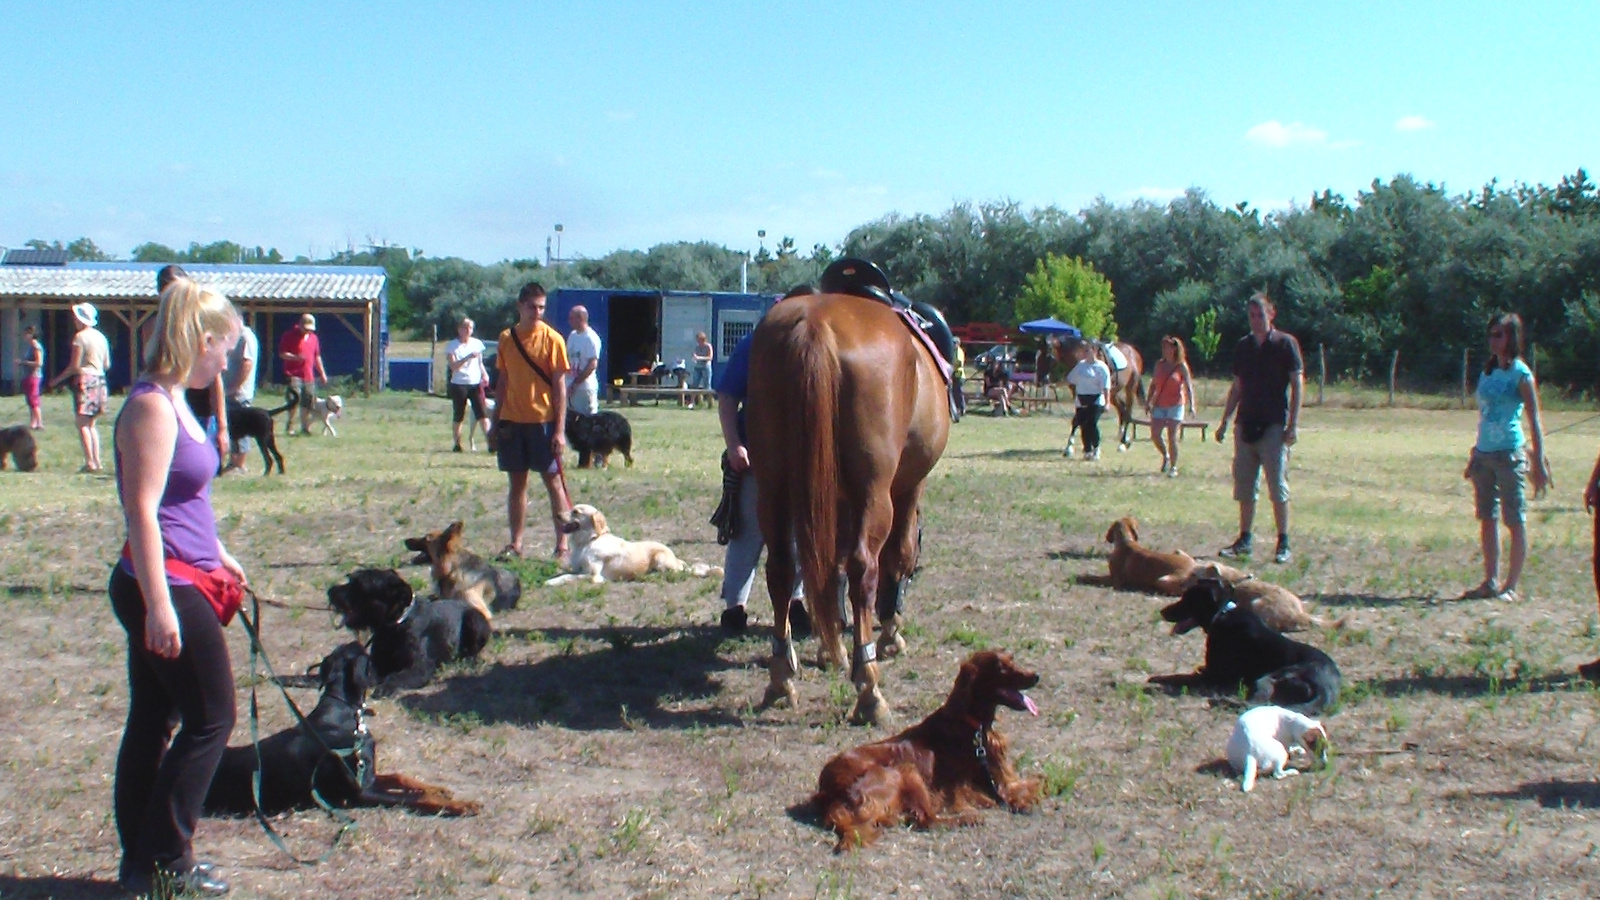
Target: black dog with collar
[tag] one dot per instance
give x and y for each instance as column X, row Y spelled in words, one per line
column 1242, row 652
column 332, row 752
column 411, row 636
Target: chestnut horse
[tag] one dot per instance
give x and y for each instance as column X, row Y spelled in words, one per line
column 846, row 414
column 1127, row 385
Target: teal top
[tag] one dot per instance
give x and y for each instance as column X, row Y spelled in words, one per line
column 1500, row 407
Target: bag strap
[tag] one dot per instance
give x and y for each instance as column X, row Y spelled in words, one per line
column 517, row 342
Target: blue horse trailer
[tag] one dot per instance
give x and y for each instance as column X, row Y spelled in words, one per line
column 638, row 328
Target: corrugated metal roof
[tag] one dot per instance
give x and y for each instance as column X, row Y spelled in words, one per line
column 353, row 284
column 32, row 257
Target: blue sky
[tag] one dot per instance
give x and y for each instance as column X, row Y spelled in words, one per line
column 471, row 129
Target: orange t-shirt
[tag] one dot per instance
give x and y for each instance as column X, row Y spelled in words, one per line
column 529, row 400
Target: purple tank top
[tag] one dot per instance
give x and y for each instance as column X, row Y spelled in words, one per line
column 188, row 523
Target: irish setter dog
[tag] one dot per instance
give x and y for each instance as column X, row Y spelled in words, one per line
column 938, row 772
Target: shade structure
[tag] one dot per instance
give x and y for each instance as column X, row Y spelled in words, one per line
column 1050, row 326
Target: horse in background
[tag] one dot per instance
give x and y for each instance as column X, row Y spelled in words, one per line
column 846, row 415
column 1127, row 384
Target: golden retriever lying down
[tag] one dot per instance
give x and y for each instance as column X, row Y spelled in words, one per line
column 1137, row 567
column 1277, row 606
column 600, row 556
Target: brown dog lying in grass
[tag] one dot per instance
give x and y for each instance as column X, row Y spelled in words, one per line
column 1137, row 567
column 1277, row 606
column 938, row 772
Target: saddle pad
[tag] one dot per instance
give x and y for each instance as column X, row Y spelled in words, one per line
column 911, row 321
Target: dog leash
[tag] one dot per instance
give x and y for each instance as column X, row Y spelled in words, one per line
column 347, row 823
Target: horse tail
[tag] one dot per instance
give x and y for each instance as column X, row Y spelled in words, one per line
column 816, row 507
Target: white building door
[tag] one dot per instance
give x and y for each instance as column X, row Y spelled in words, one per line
column 682, row 317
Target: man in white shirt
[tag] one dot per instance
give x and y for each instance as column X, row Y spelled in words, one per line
column 583, row 350
column 239, row 381
column 464, row 356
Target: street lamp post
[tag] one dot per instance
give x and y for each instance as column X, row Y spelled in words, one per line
column 744, row 264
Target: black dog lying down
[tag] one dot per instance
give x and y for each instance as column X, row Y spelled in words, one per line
column 1242, row 651
column 599, row 435
column 256, row 424
column 335, row 755
column 411, row 636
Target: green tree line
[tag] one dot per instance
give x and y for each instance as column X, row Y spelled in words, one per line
column 1405, row 265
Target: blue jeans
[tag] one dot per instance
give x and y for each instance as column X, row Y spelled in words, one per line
column 700, row 376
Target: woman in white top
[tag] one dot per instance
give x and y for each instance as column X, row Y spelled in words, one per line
column 464, row 356
column 1091, row 381
column 91, row 356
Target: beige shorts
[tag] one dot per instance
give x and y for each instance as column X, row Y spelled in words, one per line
column 1499, row 485
column 1269, row 453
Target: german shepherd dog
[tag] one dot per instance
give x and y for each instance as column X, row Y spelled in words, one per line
column 332, row 754
column 459, row 574
column 256, row 424
column 18, row 442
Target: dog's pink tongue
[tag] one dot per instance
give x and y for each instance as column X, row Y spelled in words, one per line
column 1033, row 708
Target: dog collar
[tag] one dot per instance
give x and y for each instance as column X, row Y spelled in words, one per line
column 1228, row 607
column 411, row 609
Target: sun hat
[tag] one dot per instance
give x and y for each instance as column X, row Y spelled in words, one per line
column 308, row 322
column 86, row 313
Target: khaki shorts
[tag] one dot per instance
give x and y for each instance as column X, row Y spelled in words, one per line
column 1269, row 453
column 1499, row 485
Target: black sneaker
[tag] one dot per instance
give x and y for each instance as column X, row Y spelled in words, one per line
column 456, row 449
column 1239, row 548
column 735, row 620
column 1283, row 555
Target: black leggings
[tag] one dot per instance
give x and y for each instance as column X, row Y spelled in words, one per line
column 161, row 786
column 1087, row 418
column 461, row 395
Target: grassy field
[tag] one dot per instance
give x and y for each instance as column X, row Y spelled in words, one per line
column 611, row 736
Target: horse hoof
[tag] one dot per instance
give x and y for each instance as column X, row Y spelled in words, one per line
column 891, row 645
column 778, row 694
column 872, row 711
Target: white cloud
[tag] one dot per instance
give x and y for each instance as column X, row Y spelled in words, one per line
column 1413, row 123
column 1273, row 133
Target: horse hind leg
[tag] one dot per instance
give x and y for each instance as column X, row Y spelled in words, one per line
column 784, row 665
column 897, row 564
column 871, row 707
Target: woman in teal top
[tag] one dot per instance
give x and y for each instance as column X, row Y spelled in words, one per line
column 1499, row 468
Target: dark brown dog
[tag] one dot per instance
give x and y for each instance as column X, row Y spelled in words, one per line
column 939, row 772
column 19, row 443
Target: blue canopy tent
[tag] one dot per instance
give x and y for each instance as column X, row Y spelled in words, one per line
column 1050, row 327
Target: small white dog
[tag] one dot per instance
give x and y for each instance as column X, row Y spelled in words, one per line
column 1267, row 736
column 325, row 410
column 600, row 556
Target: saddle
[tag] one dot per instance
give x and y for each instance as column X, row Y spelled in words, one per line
column 860, row 278
column 1114, row 358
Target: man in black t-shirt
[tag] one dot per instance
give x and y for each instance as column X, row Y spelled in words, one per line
column 1268, row 378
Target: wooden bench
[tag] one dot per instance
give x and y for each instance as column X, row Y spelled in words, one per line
column 633, row 396
column 1133, row 433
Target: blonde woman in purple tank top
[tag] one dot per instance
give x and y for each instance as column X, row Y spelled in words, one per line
column 178, row 663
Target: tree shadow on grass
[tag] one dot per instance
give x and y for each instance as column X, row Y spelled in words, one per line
column 49, row 887
column 1008, row 454
column 1367, row 599
column 628, row 684
column 38, row 590
column 1460, row 686
column 1073, row 553
column 1552, row 794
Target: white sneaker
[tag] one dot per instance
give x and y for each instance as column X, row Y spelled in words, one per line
column 1172, row 472
column 1094, row 454
column 1067, row 452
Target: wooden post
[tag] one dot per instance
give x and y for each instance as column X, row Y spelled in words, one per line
column 1394, row 364
column 433, row 343
column 1322, row 371
column 1464, row 353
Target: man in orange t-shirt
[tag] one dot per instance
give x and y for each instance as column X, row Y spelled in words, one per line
column 530, row 414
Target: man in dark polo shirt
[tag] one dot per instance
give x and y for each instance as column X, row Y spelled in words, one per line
column 1268, row 379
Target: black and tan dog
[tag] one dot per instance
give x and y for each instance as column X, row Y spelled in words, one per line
column 411, row 636
column 256, row 424
column 18, row 442
column 598, row 436
column 459, row 574
column 332, row 753
column 1243, row 653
